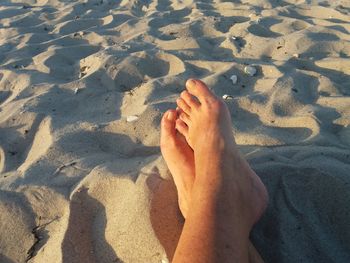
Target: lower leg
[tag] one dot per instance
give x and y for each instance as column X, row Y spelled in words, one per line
column 227, row 197
column 217, row 228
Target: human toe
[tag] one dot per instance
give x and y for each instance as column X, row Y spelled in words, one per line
column 181, row 103
column 199, row 89
column 185, row 118
column 181, row 127
column 190, row 99
column 168, row 124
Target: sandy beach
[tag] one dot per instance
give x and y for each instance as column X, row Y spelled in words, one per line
column 84, row 84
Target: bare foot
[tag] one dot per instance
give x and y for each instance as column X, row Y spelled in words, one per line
column 206, row 124
column 179, row 158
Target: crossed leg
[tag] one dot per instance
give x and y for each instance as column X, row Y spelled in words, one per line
column 219, row 195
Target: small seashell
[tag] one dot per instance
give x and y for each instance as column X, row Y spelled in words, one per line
column 131, row 118
column 144, row 8
column 76, row 90
column 234, row 38
column 126, row 47
column 23, row 109
column 78, row 34
column 296, row 55
column 234, row 79
column 250, row 70
column 95, row 127
column 227, row 97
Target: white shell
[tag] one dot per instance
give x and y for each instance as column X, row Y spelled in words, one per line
column 234, row 79
column 296, row 55
column 131, row 118
column 76, row 90
column 23, row 109
column 234, row 38
column 227, row 97
column 250, row 70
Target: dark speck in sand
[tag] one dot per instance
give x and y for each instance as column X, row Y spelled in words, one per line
column 12, row 153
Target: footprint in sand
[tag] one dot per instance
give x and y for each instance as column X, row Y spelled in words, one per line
column 60, row 62
column 130, row 72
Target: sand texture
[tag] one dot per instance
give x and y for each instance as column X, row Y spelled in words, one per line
column 81, row 181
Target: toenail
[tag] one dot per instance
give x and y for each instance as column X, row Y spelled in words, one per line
column 170, row 115
column 191, row 83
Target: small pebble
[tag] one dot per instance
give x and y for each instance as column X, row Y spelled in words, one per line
column 95, row 127
column 82, row 74
column 227, row 97
column 234, row 79
column 99, row 126
column 234, row 38
column 131, row 118
column 296, row 55
column 250, row 70
column 77, row 34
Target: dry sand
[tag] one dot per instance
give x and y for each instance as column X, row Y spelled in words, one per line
column 78, row 183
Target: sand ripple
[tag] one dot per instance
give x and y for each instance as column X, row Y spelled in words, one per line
column 78, row 183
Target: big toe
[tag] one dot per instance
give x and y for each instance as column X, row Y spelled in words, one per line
column 199, row 89
column 168, row 126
